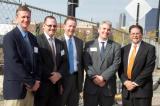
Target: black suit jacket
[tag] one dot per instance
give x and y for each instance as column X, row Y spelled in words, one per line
column 18, row 68
column 79, row 48
column 142, row 70
column 47, row 63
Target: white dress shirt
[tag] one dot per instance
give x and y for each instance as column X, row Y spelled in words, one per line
column 74, row 51
column 53, row 41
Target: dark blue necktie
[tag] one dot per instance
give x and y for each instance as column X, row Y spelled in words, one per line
column 28, row 47
column 71, row 56
column 102, row 50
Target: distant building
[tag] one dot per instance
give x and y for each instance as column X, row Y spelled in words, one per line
column 150, row 20
column 4, row 28
column 122, row 20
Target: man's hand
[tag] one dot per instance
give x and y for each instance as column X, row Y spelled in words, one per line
column 102, row 84
column 35, row 86
column 55, row 77
column 129, row 85
column 28, row 87
column 99, row 80
column 135, row 84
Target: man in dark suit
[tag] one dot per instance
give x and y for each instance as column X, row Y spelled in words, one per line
column 73, row 80
column 21, row 68
column 102, row 60
column 135, row 72
column 53, row 62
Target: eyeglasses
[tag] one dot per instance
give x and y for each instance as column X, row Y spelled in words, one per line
column 51, row 26
column 135, row 33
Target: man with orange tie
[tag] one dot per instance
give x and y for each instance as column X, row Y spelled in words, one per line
column 135, row 72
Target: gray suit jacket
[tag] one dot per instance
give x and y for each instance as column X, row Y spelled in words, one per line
column 106, row 67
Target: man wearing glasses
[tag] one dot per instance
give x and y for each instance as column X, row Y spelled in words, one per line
column 135, row 72
column 52, row 61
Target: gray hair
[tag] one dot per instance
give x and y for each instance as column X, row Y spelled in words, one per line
column 106, row 22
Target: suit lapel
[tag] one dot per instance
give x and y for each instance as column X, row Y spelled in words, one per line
column 97, row 54
column 56, row 45
column 98, row 49
column 65, row 46
column 139, row 53
column 46, row 45
column 108, row 47
column 125, row 56
column 77, row 46
column 20, row 40
column 30, row 39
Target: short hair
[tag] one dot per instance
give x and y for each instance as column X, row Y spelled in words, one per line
column 23, row 8
column 136, row 26
column 70, row 18
column 106, row 22
column 51, row 17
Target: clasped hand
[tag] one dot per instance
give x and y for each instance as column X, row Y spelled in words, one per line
column 34, row 87
column 55, row 77
column 99, row 80
column 130, row 85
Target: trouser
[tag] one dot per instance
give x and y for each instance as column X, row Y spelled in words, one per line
column 27, row 101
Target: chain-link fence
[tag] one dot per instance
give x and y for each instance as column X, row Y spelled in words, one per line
column 152, row 40
column 7, row 19
column 86, row 30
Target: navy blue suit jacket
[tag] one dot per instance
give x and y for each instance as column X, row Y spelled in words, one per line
column 18, row 68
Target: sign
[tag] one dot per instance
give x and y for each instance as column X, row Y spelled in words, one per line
column 143, row 9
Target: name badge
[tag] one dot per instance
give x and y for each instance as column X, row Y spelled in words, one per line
column 93, row 49
column 35, row 49
column 62, row 52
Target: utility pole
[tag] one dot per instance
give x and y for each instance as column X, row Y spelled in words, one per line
column 137, row 18
column 72, row 4
column 157, row 25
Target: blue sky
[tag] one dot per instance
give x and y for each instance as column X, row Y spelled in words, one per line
column 97, row 10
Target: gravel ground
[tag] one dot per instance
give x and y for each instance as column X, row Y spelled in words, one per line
column 156, row 93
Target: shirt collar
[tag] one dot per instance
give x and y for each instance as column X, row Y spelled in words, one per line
column 67, row 38
column 21, row 30
column 138, row 44
column 48, row 37
column 105, row 41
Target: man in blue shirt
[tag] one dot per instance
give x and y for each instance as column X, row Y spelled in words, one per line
column 21, row 69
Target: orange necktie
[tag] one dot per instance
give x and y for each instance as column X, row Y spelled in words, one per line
column 131, row 62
